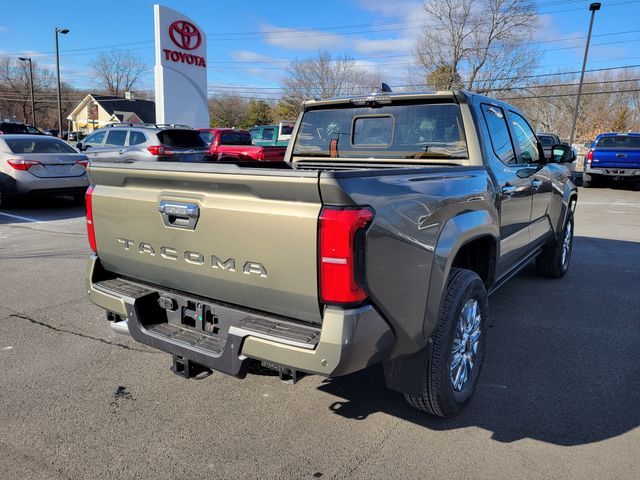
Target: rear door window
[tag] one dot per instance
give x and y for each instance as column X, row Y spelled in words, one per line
column 116, row 138
column 267, row 134
column 499, row 133
column 136, row 138
column 181, row 139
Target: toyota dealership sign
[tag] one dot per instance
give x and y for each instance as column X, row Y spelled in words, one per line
column 180, row 70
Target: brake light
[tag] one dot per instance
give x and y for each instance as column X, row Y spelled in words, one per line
column 589, row 156
column 20, row 164
column 91, row 234
column 341, row 254
column 84, row 163
column 160, row 150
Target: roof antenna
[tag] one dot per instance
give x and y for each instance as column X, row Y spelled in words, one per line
column 385, row 88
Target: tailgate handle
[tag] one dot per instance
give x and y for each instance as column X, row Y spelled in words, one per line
column 179, row 215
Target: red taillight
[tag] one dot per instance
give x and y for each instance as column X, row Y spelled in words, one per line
column 160, row 150
column 84, row 163
column 589, row 156
column 89, row 207
column 20, row 164
column 341, row 254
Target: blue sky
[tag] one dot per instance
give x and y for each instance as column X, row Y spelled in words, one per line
column 251, row 42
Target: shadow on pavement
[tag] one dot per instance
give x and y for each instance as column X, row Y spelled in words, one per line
column 562, row 363
column 43, row 209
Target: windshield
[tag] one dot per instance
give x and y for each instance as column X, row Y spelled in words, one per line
column 38, row 145
column 546, row 140
column 393, row 131
column 619, row 141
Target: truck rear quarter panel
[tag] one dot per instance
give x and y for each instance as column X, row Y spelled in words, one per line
column 412, row 207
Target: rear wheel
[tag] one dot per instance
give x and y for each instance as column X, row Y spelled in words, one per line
column 589, row 180
column 453, row 365
column 4, row 199
column 554, row 260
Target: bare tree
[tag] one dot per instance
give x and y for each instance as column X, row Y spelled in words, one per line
column 15, row 92
column 118, row 71
column 227, row 110
column 323, row 76
column 477, row 44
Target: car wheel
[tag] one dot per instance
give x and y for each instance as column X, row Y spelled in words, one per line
column 554, row 260
column 453, row 364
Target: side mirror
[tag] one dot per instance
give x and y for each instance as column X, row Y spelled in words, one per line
column 79, row 146
column 562, row 154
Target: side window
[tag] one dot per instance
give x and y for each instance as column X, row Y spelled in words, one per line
column 136, row 138
column 255, row 134
column 95, row 139
column 267, row 134
column 116, row 138
column 526, row 139
column 499, row 133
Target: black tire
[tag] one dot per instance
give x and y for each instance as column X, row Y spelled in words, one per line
column 438, row 395
column 588, row 180
column 551, row 263
column 5, row 200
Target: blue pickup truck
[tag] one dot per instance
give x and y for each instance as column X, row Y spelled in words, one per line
column 614, row 156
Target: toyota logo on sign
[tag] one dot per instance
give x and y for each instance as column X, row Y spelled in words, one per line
column 185, row 35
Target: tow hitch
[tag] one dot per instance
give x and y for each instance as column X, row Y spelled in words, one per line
column 186, row 368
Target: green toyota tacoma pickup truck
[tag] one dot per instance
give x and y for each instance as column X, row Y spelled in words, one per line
column 379, row 239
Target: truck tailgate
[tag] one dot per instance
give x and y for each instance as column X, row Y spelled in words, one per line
column 243, row 236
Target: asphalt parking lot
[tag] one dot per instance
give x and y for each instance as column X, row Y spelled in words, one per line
column 559, row 395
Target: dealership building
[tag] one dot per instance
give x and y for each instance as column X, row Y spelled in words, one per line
column 96, row 111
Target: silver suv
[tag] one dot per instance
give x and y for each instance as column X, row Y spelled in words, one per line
column 130, row 142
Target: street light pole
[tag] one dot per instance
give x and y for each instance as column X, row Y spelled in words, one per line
column 63, row 31
column 594, row 7
column 33, row 102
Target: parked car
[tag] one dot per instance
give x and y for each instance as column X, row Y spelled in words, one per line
column 52, row 132
column 230, row 145
column 13, row 128
column 614, row 156
column 40, row 165
column 272, row 135
column 377, row 240
column 130, row 142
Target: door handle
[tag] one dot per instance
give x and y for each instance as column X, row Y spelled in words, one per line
column 621, row 155
column 179, row 215
column 509, row 189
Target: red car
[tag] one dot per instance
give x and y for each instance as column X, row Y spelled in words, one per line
column 229, row 145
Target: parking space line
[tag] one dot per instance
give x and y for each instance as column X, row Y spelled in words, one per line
column 615, row 204
column 20, row 217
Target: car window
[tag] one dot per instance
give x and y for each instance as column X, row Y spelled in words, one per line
column 255, row 134
column 95, row 139
column 39, row 145
column 399, row 131
column 286, row 130
column 547, row 140
column 499, row 133
column 619, row 141
column 207, row 137
column 136, row 138
column 267, row 134
column 181, row 139
column 116, row 138
column 526, row 140
column 236, row 138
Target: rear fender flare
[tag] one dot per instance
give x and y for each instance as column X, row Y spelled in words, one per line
column 569, row 202
column 457, row 232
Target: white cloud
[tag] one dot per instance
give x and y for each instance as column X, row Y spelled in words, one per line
column 408, row 9
column 301, row 39
column 387, row 45
column 249, row 56
column 3, row 29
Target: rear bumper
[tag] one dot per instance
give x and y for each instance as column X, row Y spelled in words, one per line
column 349, row 339
column 613, row 171
column 25, row 183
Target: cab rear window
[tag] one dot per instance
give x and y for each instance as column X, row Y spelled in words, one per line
column 391, row 131
column 619, row 141
column 181, row 139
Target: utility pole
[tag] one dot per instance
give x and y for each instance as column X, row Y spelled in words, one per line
column 594, row 7
column 33, row 103
column 63, row 31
